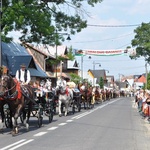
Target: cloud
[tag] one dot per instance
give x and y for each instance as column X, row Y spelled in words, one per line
column 140, row 7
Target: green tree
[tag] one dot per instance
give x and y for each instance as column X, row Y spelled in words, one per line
column 38, row 20
column 70, row 54
column 148, row 81
column 75, row 78
column 141, row 41
column 101, row 83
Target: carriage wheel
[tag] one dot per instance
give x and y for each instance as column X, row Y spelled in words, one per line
column 79, row 104
column 34, row 113
column 7, row 120
column 51, row 114
column 79, row 107
column 40, row 120
column 73, row 107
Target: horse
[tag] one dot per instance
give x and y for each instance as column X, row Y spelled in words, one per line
column 7, row 121
column 86, row 95
column 65, row 96
column 97, row 94
column 18, row 97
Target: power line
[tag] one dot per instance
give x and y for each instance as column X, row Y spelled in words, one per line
column 114, row 26
column 105, row 39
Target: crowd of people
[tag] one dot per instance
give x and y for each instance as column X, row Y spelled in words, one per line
column 142, row 102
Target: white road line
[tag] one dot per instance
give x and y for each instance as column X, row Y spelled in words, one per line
column 100, row 107
column 4, row 148
column 69, row 120
column 62, row 124
column 21, row 144
column 40, row 134
column 52, row 128
column 80, row 115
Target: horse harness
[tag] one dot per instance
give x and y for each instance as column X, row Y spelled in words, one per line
column 7, row 91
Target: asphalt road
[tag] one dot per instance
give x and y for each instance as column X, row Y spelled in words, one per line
column 112, row 125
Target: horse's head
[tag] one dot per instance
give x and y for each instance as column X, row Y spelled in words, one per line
column 48, row 84
column 42, row 83
column 60, row 85
column 5, row 84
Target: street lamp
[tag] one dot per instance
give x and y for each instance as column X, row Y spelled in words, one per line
column 107, row 78
column 120, row 75
column 94, row 63
column 56, row 44
column 82, row 65
column 107, row 71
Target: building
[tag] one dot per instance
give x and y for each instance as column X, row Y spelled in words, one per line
column 14, row 54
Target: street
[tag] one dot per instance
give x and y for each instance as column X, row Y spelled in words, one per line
column 112, row 125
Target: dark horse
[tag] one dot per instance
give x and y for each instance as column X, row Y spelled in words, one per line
column 18, row 97
column 86, row 95
column 2, row 102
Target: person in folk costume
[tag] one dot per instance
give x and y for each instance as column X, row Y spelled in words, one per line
column 62, row 80
column 23, row 75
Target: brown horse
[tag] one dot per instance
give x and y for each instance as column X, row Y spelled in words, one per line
column 86, row 95
column 17, row 97
column 3, row 102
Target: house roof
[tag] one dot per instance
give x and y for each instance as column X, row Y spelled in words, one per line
column 51, row 50
column 72, row 64
column 13, row 55
column 37, row 48
column 121, row 84
column 98, row 73
column 61, row 51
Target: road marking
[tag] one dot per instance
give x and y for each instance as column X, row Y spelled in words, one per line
column 21, row 144
column 69, row 120
column 15, row 147
column 52, row 128
column 62, row 124
column 80, row 115
column 40, row 134
column 90, row 111
column 24, row 141
column 13, row 144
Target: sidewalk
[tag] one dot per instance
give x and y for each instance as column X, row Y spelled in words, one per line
column 146, row 123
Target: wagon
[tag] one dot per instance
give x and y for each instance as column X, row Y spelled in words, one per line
column 76, row 104
column 44, row 106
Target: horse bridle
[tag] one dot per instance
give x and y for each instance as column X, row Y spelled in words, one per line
column 6, row 91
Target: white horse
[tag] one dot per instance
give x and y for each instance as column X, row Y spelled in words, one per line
column 48, row 84
column 65, row 96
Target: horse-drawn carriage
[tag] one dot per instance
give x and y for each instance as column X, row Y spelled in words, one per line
column 68, row 97
column 20, row 101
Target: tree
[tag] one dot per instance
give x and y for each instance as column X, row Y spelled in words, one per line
column 101, row 83
column 148, row 81
column 38, row 20
column 75, row 78
column 141, row 41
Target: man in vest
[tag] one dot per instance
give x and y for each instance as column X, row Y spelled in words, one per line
column 23, row 75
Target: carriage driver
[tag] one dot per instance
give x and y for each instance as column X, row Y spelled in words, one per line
column 23, row 75
column 62, row 79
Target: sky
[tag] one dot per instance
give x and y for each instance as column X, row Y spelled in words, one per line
column 95, row 37
column 112, row 13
